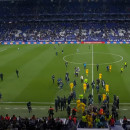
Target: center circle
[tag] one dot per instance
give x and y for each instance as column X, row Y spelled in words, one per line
column 100, row 58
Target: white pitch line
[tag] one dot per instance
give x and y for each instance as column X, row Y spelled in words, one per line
column 3, row 50
column 92, row 67
column 121, row 58
column 42, row 108
column 7, row 108
column 26, row 102
column 124, row 109
column 24, row 108
column 34, row 108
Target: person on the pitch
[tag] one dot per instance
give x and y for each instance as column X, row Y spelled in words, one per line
column 71, row 86
column 107, row 68
column 62, row 51
column 100, row 76
column 125, row 65
column 53, row 78
column 86, row 81
column 68, row 110
column 93, row 84
column 50, row 112
column 99, row 98
column 110, row 67
column 17, row 73
column 84, row 87
column 29, row 107
column 117, row 102
column 87, row 87
column 56, row 105
column 103, row 84
column 74, row 82
column 66, row 64
column 122, row 69
column 97, row 67
column 1, row 76
column 87, row 72
column 97, row 88
column 56, row 53
column 84, row 65
column 107, row 88
column 62, row 104
column 98, row 81
column 82, row 78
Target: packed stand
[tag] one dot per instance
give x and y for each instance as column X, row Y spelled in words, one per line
column 33, row 123
column 65, row 31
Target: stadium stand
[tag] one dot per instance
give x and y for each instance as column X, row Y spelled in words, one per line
column 64, row 21
column 65, row 31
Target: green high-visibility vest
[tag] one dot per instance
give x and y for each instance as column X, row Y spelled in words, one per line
column 81, row 96
column 85, row 80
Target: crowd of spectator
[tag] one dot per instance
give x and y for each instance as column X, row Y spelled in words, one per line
column 39, row 20
column 33, row 123
column 93, row 118
column 65, row 31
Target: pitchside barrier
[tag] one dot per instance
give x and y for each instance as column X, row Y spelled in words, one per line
column 61, row 42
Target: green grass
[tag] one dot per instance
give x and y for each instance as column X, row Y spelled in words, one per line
column 37, row 63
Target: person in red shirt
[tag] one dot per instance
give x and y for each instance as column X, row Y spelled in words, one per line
column 74, row 120
column 101, row 111
column 13, row 118
column 7, row 117
column 74, row 110
column 70, row 118
column 112, row 121
column 1, row 118
column 51, row 112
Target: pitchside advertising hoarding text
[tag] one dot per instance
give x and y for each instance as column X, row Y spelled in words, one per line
column 63, row 42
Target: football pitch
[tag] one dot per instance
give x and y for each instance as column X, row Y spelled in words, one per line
column 37, row 64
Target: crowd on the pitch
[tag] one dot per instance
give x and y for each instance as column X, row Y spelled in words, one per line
column 94, row 116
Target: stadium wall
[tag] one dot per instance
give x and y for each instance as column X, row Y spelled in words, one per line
column 61, row 42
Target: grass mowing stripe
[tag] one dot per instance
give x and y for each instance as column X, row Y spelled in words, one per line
column 60, row 70
column 39, row 81
column 28, row 73
column 119, row 81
